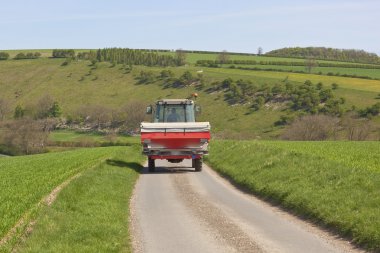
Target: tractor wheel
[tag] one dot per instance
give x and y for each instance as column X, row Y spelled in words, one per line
column 151, row 165
column 198, row 164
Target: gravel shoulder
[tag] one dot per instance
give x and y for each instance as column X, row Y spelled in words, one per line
column 178, row 210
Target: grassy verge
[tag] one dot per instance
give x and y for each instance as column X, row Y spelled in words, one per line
column 27, row 180
column 72, row 139
column 91, row 213
column 320, row 181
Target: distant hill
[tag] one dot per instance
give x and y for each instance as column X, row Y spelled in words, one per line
column 323, row 53
column 237, row 102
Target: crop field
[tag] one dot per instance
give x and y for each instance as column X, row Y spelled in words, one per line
column 331, row 183
column 27, row 180
column 373, row 73
column 346, row 82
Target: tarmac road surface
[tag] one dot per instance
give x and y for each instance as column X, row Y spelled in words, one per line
column 179, row 210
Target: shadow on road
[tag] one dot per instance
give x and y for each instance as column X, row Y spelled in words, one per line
column 118, row 163
column 168, row 170
column 144, row 170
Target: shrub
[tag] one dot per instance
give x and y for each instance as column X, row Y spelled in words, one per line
column 312, row 128
column 4, row 56
column 26, row 136
column 63, row 53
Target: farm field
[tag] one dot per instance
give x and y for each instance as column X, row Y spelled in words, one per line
column 346, row 82
column 32, row 178
column 373, row 73
column 331, row 183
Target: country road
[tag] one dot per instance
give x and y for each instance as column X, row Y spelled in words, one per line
column 178, row 210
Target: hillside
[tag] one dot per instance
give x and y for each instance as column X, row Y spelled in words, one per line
column 24, row 82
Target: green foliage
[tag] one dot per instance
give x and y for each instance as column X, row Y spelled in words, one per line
column 284, row 120
column 370, row 111
column 55, row 111
column 63, row 53
column 21, row 56
column 333, row 183
column 19, row 112
column 306, row 97
column 187, row 76
column 146, row 77
column 134, row 57
column 166, row 74
column 4, row 56
column 334, row 86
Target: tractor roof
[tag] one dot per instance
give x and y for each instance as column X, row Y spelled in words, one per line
column 175, row 101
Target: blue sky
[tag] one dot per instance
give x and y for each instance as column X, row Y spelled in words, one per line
column 240, row 26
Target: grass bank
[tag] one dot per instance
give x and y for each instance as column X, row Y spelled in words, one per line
column 27, row 180
column 335, row 184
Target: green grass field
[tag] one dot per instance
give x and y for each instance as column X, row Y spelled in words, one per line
column 27, row 180
column 332, row 183
column 373, row 73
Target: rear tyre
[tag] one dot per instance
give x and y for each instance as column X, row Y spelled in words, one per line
column 197, row 164
column 151, row 165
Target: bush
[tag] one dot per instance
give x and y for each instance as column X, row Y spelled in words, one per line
column 312, row 128
column 63, row 53
column 21, row 56
column 146, row 77
column 26, row 136
column 356, row 129
column 334, row 86
column 166, row 74
column 371, row 111
column 4, row 56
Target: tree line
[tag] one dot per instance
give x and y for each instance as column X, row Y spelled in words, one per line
column 128, row 56
column 323, row 53
column 21, row 56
